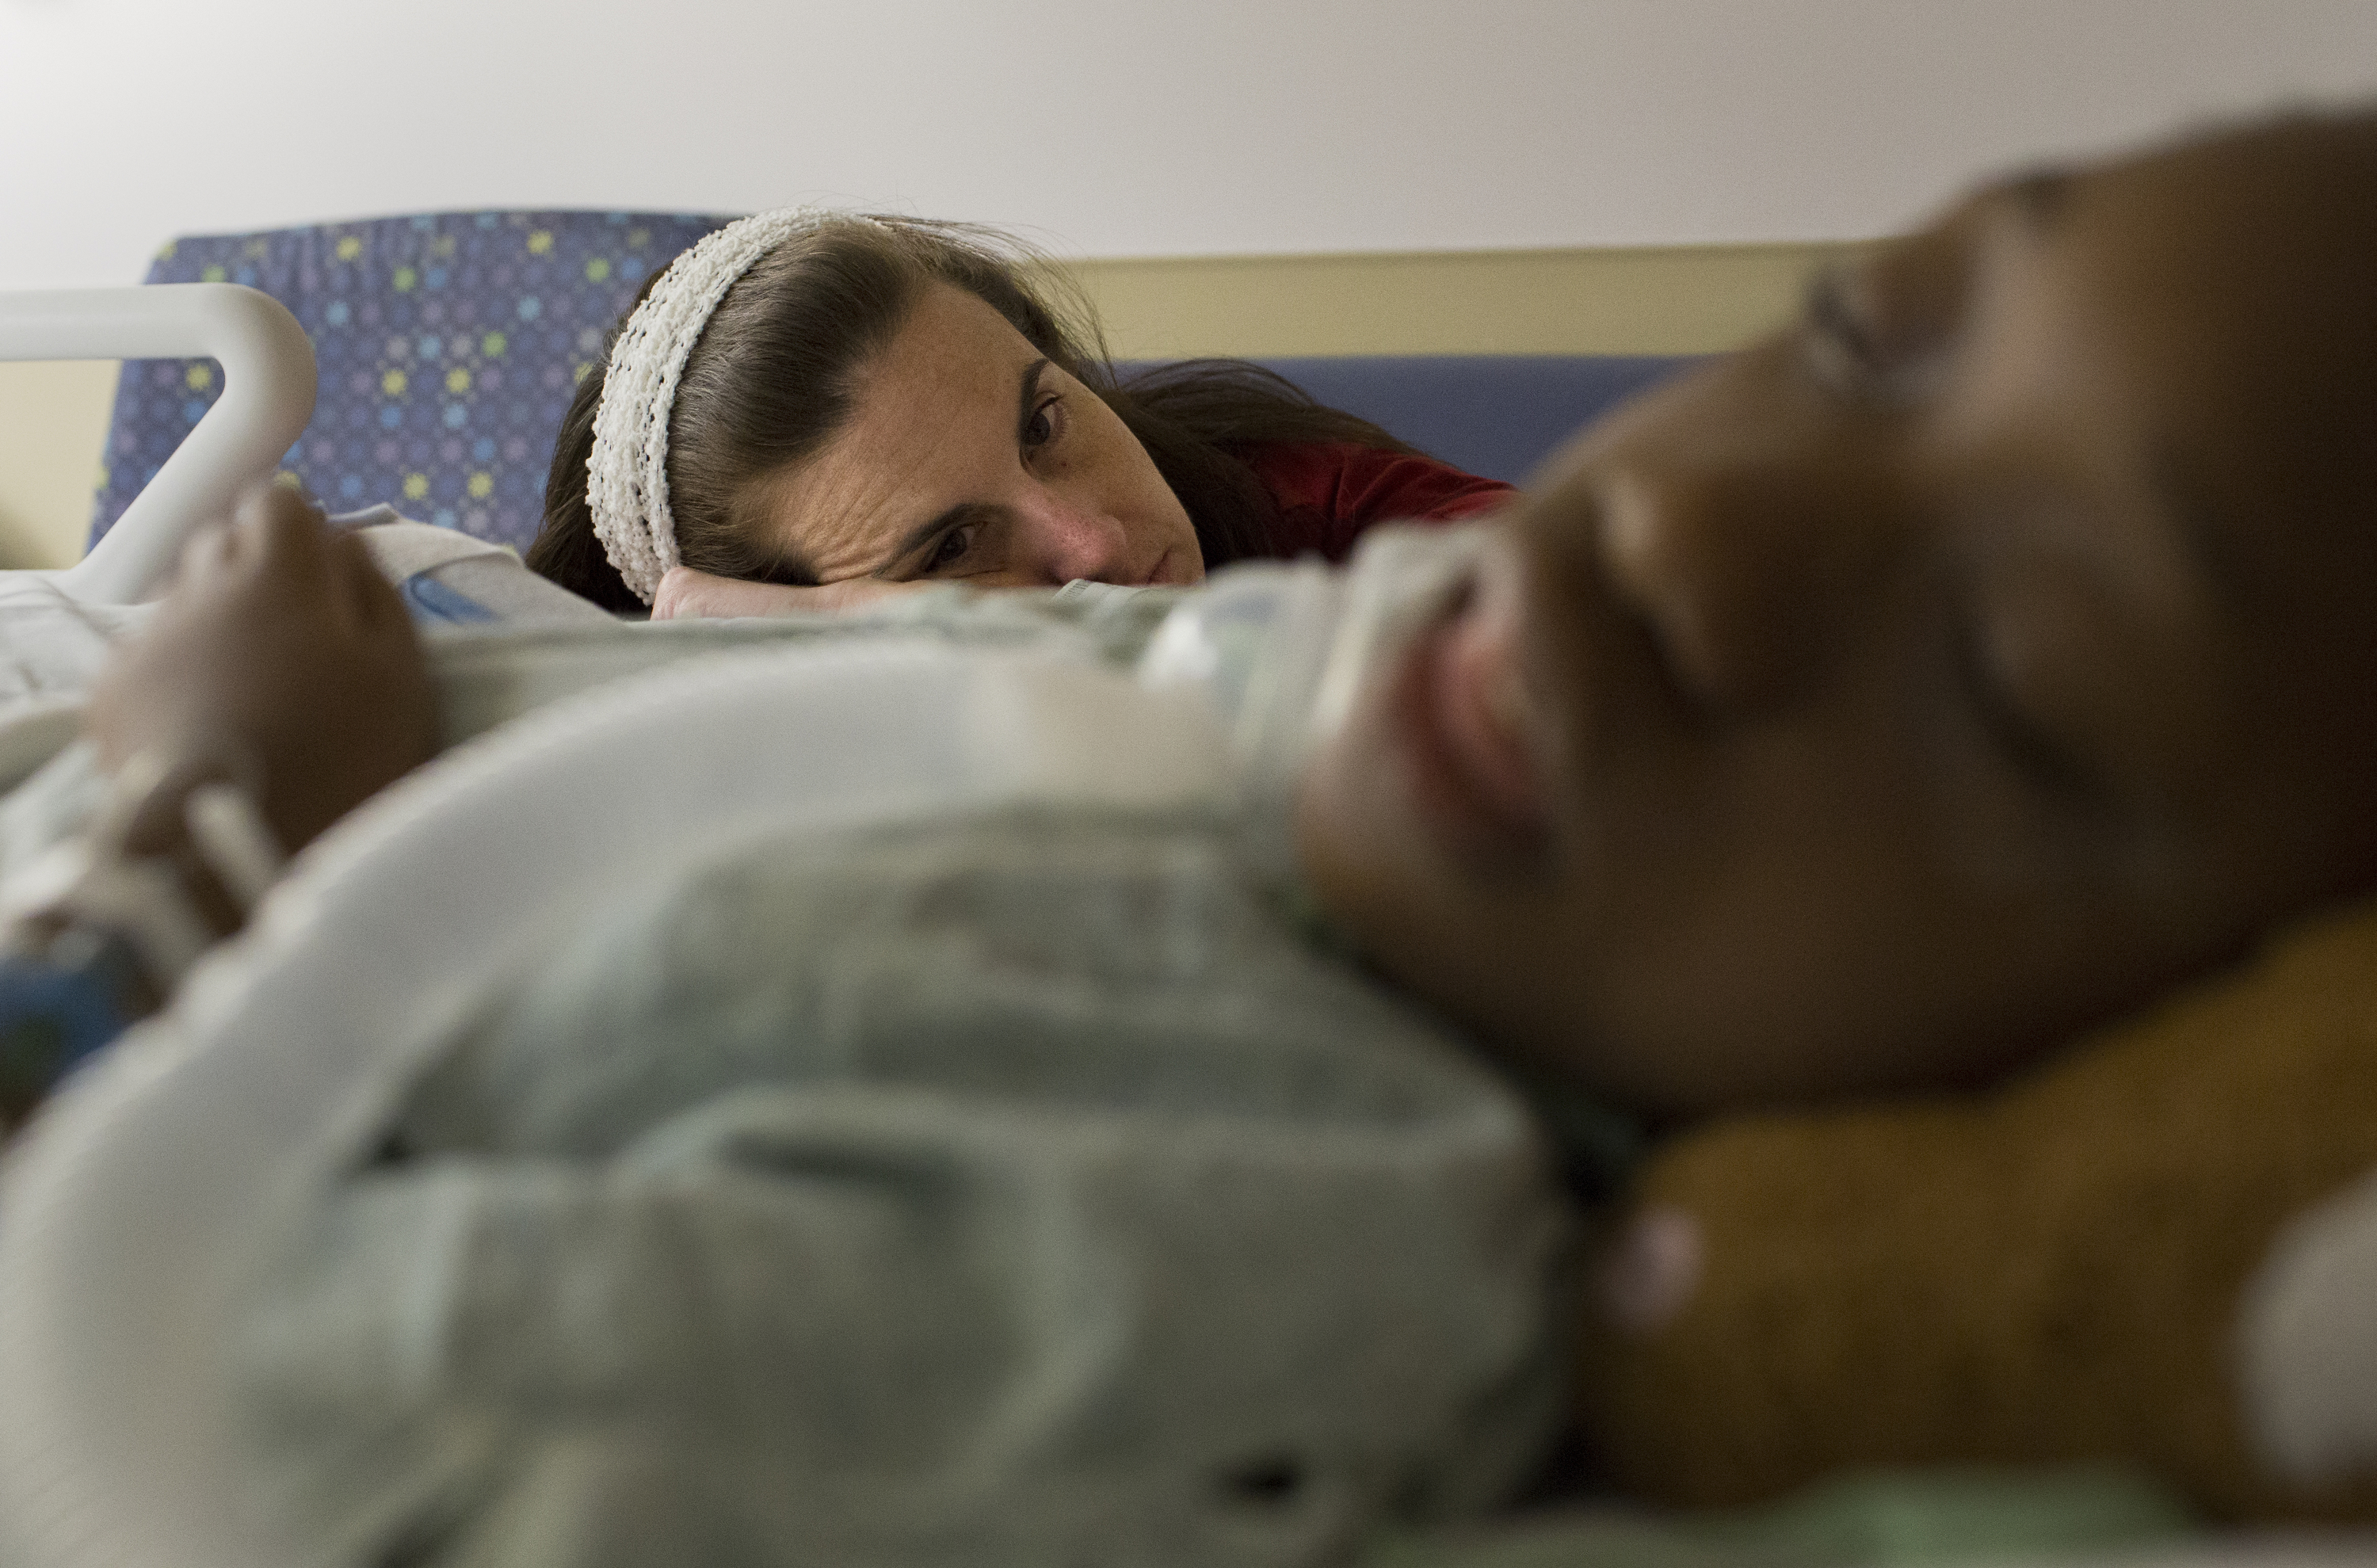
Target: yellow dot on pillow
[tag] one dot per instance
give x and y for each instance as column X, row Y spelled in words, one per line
column 405, row 278
column 198, row 377
column 416, row 486
column 482, row 486
column 212, row 275
column 578, row 372
column 598, row 270
column 540, row 242
column 492, row 344
column 393, row 383
column 288, row 481
column 167, row 254
column 349, row 247
column 458, row 379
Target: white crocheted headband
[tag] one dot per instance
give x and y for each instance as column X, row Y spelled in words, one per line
column 627, row 473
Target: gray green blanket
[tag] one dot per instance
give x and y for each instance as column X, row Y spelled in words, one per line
column 1019, row 1190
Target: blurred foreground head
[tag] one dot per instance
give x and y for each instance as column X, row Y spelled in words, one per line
column 1981, row 655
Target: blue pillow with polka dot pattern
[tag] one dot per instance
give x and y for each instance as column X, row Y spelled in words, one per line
column 448, row 346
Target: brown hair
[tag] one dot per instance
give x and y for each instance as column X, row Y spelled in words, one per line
column 774, row 377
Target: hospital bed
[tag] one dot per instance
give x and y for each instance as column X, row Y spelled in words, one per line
column 262, row 396
column 423, row 362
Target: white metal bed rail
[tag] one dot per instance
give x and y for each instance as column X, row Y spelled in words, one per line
column 267, row 396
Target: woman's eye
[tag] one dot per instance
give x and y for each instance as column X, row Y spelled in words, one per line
column 1040, row 428
column 951, row 549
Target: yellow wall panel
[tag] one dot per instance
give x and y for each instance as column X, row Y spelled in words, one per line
column 1662, row 300
column 52, row 426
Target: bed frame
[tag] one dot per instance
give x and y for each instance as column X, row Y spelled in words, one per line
column 267, row 396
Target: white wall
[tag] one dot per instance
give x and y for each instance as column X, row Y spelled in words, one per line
column 1128, row 128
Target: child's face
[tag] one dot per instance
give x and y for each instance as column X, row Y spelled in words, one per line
column 1993, row 648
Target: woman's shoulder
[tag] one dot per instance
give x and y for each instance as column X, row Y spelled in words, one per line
column 1328, row 493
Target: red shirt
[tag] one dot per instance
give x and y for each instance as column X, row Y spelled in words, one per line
column 1328, row 494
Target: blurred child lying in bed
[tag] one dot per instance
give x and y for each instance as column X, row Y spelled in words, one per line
column 1987, row 652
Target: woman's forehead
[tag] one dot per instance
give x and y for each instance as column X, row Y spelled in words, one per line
column 933, row 415
column 951, row 347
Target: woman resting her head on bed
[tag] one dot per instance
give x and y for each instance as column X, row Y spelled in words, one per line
column 809, row 410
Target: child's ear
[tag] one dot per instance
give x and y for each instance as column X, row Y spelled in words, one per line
column 2046, row 1273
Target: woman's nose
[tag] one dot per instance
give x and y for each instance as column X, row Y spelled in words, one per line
column 1062, row 537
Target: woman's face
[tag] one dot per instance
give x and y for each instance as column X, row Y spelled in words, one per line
column 1872, row 707
column 970, row 457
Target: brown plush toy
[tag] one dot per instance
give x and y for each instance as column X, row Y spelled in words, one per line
column 2046, row 1273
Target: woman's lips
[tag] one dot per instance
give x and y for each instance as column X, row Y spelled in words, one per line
column 1468, row 730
